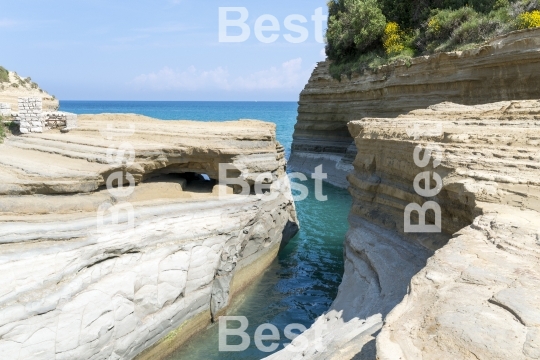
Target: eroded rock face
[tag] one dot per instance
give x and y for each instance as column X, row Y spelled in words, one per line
column 76, row 286
column 477, row 297
column 470, row 292
column 504, row 69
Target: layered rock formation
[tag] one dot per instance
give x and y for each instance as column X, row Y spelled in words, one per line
column 91, row 273
column 503, row 69
column 468, row 292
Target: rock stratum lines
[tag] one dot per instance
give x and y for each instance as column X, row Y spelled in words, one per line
column 469, row 292
column 504, row 69
column 76, row 286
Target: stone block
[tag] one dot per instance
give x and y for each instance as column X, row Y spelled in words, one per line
column 71, row 120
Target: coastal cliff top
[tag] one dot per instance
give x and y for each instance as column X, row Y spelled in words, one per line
column 13, row 87
column 489, row 144
column 168, row 158
column 512, row 48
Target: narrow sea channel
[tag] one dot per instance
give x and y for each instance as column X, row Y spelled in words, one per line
column 302, row 282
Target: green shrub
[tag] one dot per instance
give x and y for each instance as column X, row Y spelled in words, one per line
column 2, row 130
column 353, row 27
column 443, row 22
column 356, row 41
column 4, row 75
column 405, row 55
column 7, row 127
column 483, row 6
column 367, row 61
column 522, row 6
column 449, row 30
column 406, row 13
column 476, row 30
column 412, row 13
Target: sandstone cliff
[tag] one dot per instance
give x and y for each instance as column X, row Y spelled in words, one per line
column 469, row 292
column 503, row 69
column 77, row 286
column 13, row 87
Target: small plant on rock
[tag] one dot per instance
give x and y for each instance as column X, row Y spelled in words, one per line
column 2, row 130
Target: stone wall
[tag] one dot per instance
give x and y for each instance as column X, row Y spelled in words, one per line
column 30, row 116
column 32, row 119
column 5, row 109
column 503, row 69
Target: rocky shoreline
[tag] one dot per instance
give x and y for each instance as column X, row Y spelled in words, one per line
column 470, row 292
column 76, row 285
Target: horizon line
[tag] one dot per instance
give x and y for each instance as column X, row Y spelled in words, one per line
column 182, row 100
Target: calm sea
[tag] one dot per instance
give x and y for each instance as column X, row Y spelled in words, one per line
column 302, row 282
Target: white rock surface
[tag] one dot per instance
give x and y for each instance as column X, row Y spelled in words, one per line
column 72, row 289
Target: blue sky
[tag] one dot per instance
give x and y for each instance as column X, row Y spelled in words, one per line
column 156, row 50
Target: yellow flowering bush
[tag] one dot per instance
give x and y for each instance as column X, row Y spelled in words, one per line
column 434, row 26
column 393, row 39
column 529, row 20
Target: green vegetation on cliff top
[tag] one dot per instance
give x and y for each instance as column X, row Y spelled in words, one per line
column 365, row 34
column 4, row 75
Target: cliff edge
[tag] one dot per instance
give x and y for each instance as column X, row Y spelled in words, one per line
column 469, row 291
column 506, row 68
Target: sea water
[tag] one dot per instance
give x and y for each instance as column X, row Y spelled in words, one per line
column 303, row 280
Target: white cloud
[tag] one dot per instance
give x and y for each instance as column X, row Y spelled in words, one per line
column 288, row 76
column 190, row 79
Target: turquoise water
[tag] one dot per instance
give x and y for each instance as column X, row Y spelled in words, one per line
column 281, row 113
column 302, row 282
